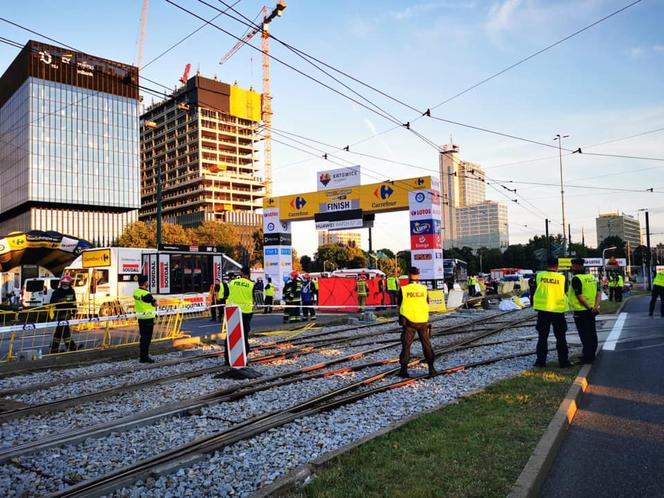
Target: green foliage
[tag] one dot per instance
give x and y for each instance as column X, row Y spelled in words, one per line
column 612, row 241
column 339, row 256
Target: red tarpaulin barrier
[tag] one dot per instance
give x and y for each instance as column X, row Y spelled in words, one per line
column 342, row 292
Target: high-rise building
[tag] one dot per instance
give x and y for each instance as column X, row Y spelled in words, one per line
column 622, row 225
column 344, row 237
column 204, row 140
column 68, row 144
column 468, row 218
column 482, row 225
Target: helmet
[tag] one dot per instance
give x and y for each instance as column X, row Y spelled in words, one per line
column 294, row 274
column 66, row 279
column 307, row 276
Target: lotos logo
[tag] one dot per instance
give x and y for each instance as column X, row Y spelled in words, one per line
column 383, row 192
column 419, row 197
column 270, row 227
column 298, row 203
column 325, row 179
column 421, row 227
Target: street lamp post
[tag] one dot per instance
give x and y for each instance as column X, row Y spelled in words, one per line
column 559, row 138
column 604, row 258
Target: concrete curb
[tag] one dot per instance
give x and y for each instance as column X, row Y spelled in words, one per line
column 537, row 468
column 299, row 476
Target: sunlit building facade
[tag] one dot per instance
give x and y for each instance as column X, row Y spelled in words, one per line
column 69, row 144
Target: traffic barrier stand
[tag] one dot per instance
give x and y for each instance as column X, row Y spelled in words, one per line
column 236, row 352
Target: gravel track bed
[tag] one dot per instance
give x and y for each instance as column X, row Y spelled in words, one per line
column 245, row 467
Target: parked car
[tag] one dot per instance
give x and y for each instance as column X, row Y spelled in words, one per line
column 38, row 291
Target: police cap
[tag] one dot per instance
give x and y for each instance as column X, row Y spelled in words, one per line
column 142, row 279
column 413, row 270
column 551, row 262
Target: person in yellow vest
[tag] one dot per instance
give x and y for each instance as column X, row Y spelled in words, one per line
column 472, row 282
column 222, row 297
column 414, row 317
column 269, row 296
column 657, row 291
column 144, row 303
column 362, row 292
column 550, row 301
column 241, row 293
column 613, row 285
column 620, row 284
column 584, row 297
column 393, row 289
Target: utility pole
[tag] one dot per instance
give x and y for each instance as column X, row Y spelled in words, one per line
column 370, row 246
column 562, row 187
column 649, row 266
column 548, row 242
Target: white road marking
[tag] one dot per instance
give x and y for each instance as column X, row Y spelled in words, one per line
column 614, row 336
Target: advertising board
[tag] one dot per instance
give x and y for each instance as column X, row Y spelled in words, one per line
column 338, row 178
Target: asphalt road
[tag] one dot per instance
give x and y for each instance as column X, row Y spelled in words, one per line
column 615, row 446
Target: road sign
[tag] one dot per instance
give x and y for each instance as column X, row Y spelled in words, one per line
column 237, row 354
column 96, row 257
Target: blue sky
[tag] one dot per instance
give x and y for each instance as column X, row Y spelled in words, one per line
column 604, row 84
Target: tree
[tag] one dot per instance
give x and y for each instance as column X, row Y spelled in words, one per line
column 137, row 234
column 257, row 253
column 307, row 263
column 640, row 255
column 335, row 256
column 491, row 258
column 403, row 259
column 217, row 234
column 613, row 241
column 297, row 266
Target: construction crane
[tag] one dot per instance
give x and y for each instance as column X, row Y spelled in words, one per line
column 267, row 99
column 141, row 33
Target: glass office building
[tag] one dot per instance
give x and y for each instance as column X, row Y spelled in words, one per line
column 69, row 144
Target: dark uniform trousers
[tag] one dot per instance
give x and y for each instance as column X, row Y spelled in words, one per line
column 62, row 332
column 269, row 300
column 145, row 328
column 585, row 325
column 545, row 319
column 657, row 291
column 407, row 337
column 393, row 297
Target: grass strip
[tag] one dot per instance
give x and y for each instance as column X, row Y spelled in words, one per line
column 476, row 447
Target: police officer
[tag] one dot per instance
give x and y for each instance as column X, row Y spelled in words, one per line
column 657, row 291
column 613, row 284
column 64, row 299
column 293, row 298
column 144, row 303
column 393, row 289
column 241, row 293
column 222, row 296
column 414, row 317
column 472, row 281
column 269, row 296
column 620, row 284
column 308, row 295
column 584, row 297
column 362, row 292
column 551, row 304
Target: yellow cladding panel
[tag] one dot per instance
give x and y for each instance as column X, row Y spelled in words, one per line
column 374, row 198
column 437, row 301
column 245, row 104
column 390, row 196
column 98, row 257
column 298, row 207
column 564, row 264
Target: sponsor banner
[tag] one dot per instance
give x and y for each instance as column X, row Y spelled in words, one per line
column 277, row 239
column 427, row 259
column 286, row 251
column 425, row 213
column 185, row 248
column 272, row 223
column 339, row 224
column 67, row 244
column 217, row 267
column 437, row 301
column 374, row 198
column 340, row 205
column 338, row 178
column 153, row 273
column 430, row 241
column 164, row 274
column 130, row 264
column 424, row 227
column 566, row 263
column 431, row 273
column 96, row 257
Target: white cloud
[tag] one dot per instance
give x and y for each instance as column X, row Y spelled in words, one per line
column 422, row 8
column 502, row 14
column 635, row 52
column 658, row 48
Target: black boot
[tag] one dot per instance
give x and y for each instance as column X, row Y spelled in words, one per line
column 403, row 373
column 432, row 370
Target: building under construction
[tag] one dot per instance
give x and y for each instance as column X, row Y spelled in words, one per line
column 204, row 140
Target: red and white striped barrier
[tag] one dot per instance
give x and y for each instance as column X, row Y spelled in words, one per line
column 237, row 355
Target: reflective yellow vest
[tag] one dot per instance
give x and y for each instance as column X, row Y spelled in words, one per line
column 392, row 284
column 241, row 293
column 659, row 279
column 141, row 306
column 621, row 281
column 588, row 291
column 269, row 290
column 550, row 292
column 414, row 305
column 362, row 288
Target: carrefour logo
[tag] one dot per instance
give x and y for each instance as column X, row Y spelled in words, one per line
column 298, row 203
column 325, row 179
column 420, row 181
column 383, row 192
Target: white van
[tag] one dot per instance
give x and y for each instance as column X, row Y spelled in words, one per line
column 38, row 291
